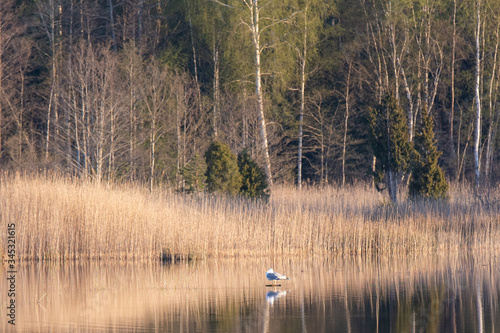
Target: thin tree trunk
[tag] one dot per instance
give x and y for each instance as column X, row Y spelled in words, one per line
column 322, row 171
column 477, row 166
column 244, row 126
column 453, row 51
column 111, row 161
column 21, row 112
column 71, row 13
column 489, row 142
column 426, row 56
column 302, row 99
column 100, row 145
column 410, row 104
column 347, row 95
column 379, row 77
column 153, row 156
column 112, row 23
column 132, row 94
column 195, row 64
column 392, row 179
column 77, row 121
column 139, row 23
column 179, row 141
column 216, row 87
column 394, row 63
column 393, row 186
column 469, row 136
column 49, row 116
column 52, row 97
column 254, row 13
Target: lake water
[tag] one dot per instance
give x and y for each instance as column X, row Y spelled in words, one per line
column 356, row 295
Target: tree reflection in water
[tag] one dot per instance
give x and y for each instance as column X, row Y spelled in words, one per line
column 430, row 294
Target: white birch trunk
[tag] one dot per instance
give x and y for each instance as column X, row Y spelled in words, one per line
column 477, row 166
column 347, row 95
column 302, row 100
column 179, row 140
column 132, row 94
column 152, row 138
column 453, row 51
column 254, row 13
column 216, row 88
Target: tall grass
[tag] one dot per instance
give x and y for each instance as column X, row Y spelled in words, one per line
column 59, row 218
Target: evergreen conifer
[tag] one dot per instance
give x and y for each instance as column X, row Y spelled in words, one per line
column 194, row 174
column 222, row 169
column 254, row 182
column 390, row 144
column 427, row 179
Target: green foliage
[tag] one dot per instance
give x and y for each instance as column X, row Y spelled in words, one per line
column 389, row 137
column 222, row 169
column 254, row 182
column 427, row 179
column 194, row 174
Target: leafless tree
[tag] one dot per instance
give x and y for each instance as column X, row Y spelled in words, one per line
column 156, row 92
column 94, row 98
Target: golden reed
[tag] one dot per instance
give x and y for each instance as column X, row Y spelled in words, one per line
column 58, row 218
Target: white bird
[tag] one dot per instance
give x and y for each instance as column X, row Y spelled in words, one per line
column 271, row 275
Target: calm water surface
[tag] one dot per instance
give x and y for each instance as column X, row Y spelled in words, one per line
column 355, row 295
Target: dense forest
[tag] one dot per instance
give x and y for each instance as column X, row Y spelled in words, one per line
column 134, row 90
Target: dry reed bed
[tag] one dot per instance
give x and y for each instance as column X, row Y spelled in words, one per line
column 59, row 218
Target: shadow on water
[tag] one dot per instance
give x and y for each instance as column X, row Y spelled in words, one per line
column 429, row 294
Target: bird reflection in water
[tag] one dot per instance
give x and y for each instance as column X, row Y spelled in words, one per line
column 271, row 296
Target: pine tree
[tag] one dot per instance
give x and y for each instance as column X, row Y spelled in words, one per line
column 254, row 182
column 222, row 169
column 390, row 144
column 194, row 174
column 428, row 180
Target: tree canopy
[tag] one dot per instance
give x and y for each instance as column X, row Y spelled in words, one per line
column 132, row 90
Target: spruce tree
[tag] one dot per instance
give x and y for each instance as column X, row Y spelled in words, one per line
column 427, row 180
column 390, row 144
column 222, row 169
column 194, row 174
column 254, row 182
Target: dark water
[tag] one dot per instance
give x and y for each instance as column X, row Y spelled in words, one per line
column 357, row 295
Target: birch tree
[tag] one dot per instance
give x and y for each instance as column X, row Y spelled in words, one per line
column 93, row 98
column 492, row 31
column 346, row 118
column 261, row 37
column 308, row 22
column 319, row 130
column 477, row 90
column 50, row 12
column 187, row 121
column 132, row 71
column 156, row 94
